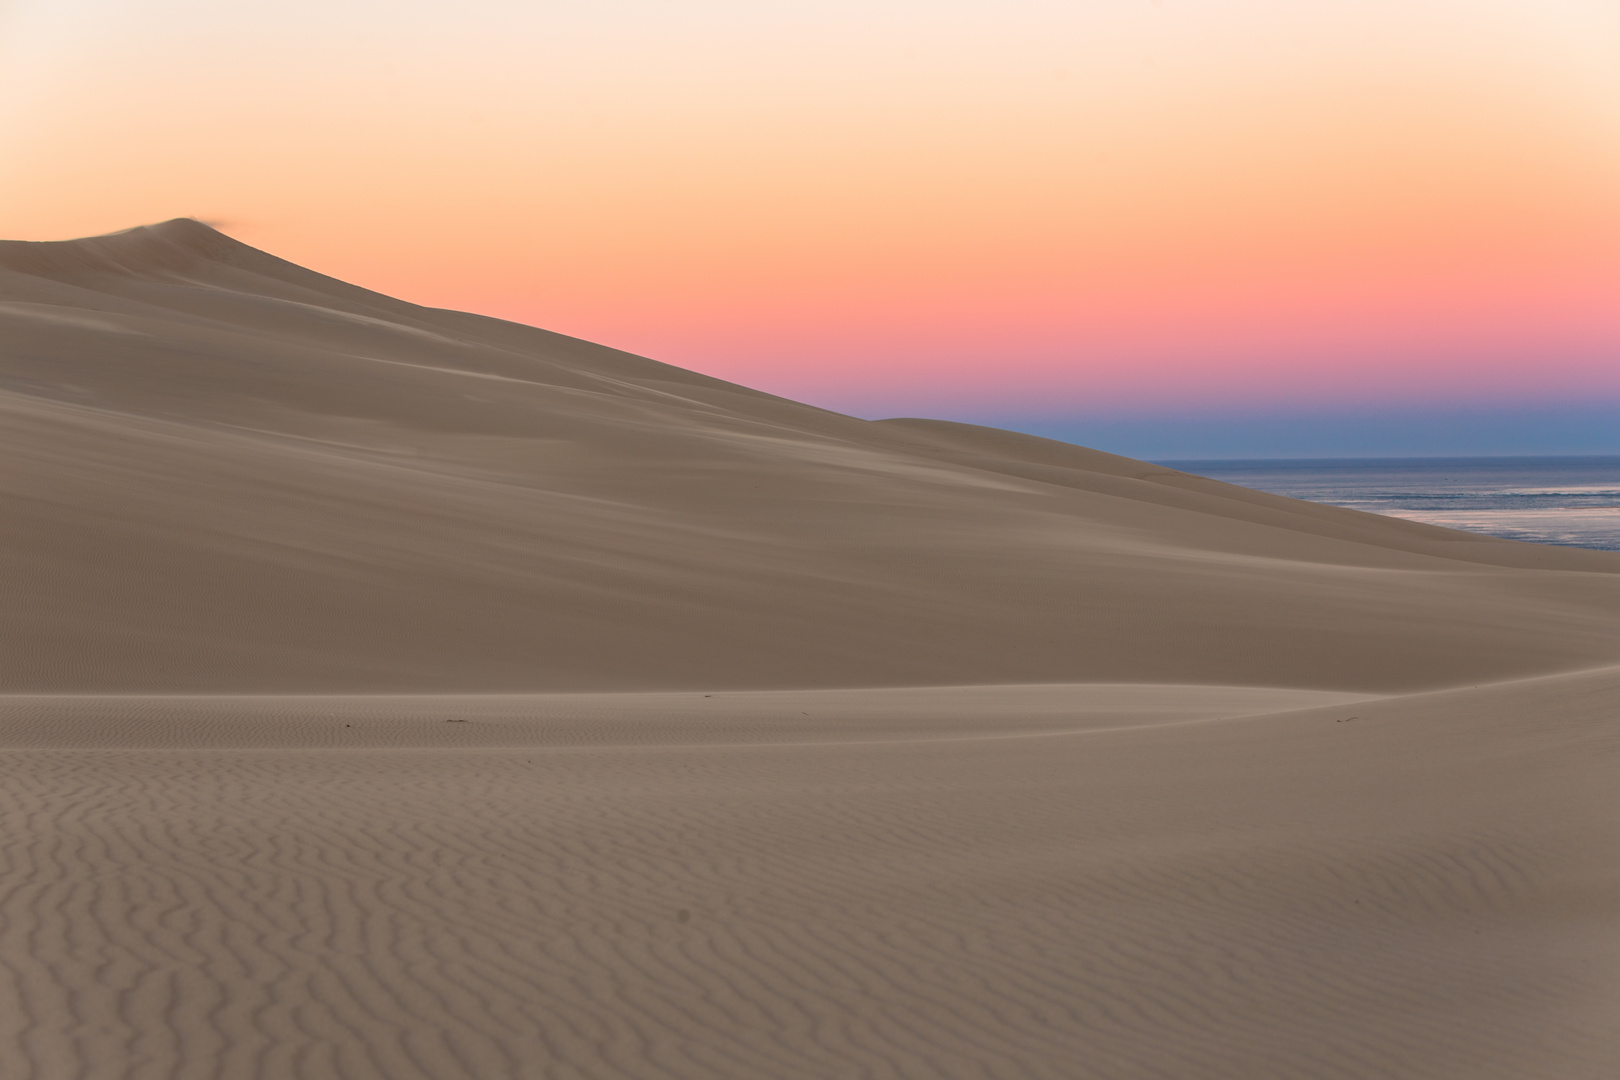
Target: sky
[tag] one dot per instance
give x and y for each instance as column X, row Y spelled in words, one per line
column 1168, row 228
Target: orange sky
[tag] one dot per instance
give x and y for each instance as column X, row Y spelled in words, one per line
column 1189, row 202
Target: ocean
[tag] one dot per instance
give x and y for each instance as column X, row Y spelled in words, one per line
column 1548, row 500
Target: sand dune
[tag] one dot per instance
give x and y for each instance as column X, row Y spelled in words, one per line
column 393, row 692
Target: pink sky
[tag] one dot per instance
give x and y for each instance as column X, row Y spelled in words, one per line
column 1035, row 208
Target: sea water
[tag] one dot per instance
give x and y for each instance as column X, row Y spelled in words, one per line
column 1547, row 500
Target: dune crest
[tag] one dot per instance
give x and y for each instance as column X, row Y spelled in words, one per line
column 228, row 473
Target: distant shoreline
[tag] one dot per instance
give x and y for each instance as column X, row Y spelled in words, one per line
column 1570, row 501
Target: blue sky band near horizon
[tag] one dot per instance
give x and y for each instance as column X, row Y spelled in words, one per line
column 1179, row 228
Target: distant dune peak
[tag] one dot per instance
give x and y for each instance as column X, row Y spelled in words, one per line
column 185, row 232
column 167, row 245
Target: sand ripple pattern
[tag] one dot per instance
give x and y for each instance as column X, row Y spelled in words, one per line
column 1277, row 896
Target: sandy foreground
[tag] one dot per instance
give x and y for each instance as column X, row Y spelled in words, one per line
column 392, row 692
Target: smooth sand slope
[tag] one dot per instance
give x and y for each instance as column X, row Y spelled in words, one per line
column 392, row 692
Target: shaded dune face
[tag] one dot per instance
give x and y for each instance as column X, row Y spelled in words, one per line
column 222, row 472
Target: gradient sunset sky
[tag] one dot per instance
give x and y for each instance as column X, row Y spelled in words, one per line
column 1179, row 228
